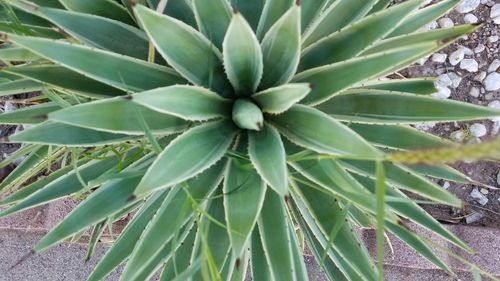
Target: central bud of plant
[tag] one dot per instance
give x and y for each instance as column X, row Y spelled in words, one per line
column 247, row 115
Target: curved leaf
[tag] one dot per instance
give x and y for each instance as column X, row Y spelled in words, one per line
column 388, row 107
column 242, row 56
column 271, row 12
column 66, row 135
column 338, row 15
column 186, row 102
column 110, row 68
column 117, row 116
column 185, row 49
column 279, row 99
column 281, row 49
column 213, row 18
column 244, row 193
column 420, row 86
column 267, row 154
column 51, row 74
column 19, row 86
column 29, row 115
column 327, row 136
column 105, row 8
column 275, row 237
column 330, row 79
column 351, row 41
column 188, row 155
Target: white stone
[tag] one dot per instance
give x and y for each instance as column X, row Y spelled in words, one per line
column 9, row 107
column 445, row 22
column 480, row 77
column 470, row 65
column 495, row 11
column 479, row 48
column 493, row 39
column 470, row 18
column 498, row 179
column 474, row 92
column 492, row 82
column 496, row 20
column 446, row 185
column 479, row 197
column 457, row 56
column 474, row 217
column 444, row 80
column 478, row 130
column 455, row 79
column 458, row 135
column 425, row 126
column 442, row 92
column 495, row 64
column 467, row 5
column 440, row 58
column 467, row 51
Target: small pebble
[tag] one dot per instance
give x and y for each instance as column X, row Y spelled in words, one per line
column 440, row 58
column 445, row 23
column 484, row 191
column 479, row 197
column 456, row 57
column 458, row 135
column 470, row 18
column 478, row 130
column 495, row 64
column 474, row 92
column 467, row 6
column 470, row 65
column 492, row 81
column 455, row 79
column 479, row 48
column 495, row 104
column 495, row 13
column 442, row 92
column 498, row 179
column 493, row 39
column 480, row 77
column 474, row 217
column 446, row 185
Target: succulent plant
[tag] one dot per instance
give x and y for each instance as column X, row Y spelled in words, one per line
column 235, row 132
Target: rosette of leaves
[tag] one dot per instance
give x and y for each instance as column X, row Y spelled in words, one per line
column 233, row 134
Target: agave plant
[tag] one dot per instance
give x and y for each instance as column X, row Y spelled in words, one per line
column 236, row 134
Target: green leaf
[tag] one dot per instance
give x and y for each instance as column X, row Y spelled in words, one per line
column 29, row 115
column 420, row 86
column 397, row 136
column 295, row 124
column 422, row 17
column 271, row 12
column 34, row 159
column 251, row 10
column 311, row 9
column 275, row 236
column 185, row 49
column 187, row 102
column 380, row 5
column 260, row 267
column 113, row 35
column 441, row 172
column 267, row 154
column 404, row 179
column 279, row 99
column 445, row 34
column 66, row 135
column 64, row 185
column 109, row 199
column 12, row 53
column 338, row 15
column 374, row 106
column 124, row 246
column 110, row 68
column 330, row 79
column 242, row 56
column 73, row 81
column 188, row 155
column 281, row 50
column 213, row 18
column 19, row 86
column 318, row 208
column 182, row 259
column 351, row 41
column 174, row 213
column 298, row 256
column 104, row 8
column 116, row 116
column 410, row 210
column 179, row 9
column 244, row 193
